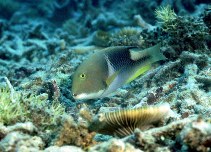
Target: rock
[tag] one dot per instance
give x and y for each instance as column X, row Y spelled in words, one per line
column 63, row 149
column 196, row 136
column 114, row 145
column 20, row 142
column 26, row 127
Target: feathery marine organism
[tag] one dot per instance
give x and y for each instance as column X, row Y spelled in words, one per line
column 107, row 70
column 123, row 122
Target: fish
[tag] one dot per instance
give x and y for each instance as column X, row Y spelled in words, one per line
column 104, row 71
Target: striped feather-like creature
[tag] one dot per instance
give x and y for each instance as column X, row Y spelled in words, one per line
column 123, row 122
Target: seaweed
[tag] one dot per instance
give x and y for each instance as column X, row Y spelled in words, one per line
column 20, row 106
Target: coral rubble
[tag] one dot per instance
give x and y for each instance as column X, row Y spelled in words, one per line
column 43, row 42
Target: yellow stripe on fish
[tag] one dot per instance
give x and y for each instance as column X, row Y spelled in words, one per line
column 139, row 72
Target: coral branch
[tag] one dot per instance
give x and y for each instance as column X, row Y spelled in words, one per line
column 12, row 90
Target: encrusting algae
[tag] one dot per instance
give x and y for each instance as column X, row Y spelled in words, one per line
column 123, row 122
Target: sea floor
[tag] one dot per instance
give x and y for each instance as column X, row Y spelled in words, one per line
column 43, row 43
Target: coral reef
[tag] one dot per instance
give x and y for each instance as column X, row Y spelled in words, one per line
column 168, row 137
column 196, row 136
column 164, row 138
column 127, row 37
column 43, row 42
column 18, row 106
column 17, row 141
column 73, row 133
column 63, row 148
column 8, row 8
column 20, row 137
column 114, row 145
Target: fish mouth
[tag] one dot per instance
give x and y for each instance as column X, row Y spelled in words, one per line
column 88, row 95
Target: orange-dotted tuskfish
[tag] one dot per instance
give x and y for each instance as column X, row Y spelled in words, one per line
column 107, row 70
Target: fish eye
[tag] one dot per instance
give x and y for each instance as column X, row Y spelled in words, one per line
column 83, row 76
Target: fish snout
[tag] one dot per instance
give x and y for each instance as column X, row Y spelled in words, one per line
column 74, row 95
column 77, row 96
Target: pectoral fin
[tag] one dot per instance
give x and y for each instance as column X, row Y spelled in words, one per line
column 111, row 78
column 140, row 71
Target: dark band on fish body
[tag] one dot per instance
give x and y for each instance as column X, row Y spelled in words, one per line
column 121, row 57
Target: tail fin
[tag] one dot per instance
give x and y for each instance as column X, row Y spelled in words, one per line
column 155, row 53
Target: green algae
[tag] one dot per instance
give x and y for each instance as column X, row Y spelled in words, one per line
column 10, row 112
column 21, row 106
column 165, row 14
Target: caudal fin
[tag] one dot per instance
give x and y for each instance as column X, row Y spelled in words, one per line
column 155, row 53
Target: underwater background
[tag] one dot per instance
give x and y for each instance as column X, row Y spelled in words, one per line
column 42, row 42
